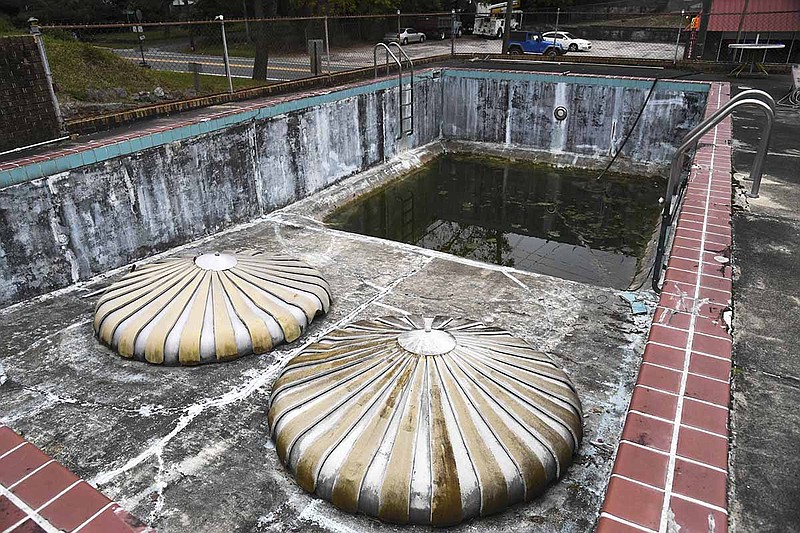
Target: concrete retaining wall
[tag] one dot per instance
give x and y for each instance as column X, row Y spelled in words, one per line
column 73, row 225
column 76, row 224
column 27, row 112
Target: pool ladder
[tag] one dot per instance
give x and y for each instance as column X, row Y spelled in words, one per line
column 406, row 94
column 676, row 186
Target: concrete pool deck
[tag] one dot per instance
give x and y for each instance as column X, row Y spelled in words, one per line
column 188, row 460
column 189, row 448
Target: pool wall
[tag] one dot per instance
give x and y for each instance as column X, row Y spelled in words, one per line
column 517, row 110
column 75, row 224
column 73, row 214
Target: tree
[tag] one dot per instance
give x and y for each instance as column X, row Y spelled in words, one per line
column 262, row 9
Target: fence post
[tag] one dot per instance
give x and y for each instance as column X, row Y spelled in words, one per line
column 225, row 57
column 558, row 16
column 452, row 32
column 327, row 46
column 246, row 23
column 195, row 68
column 37, row 36
column 678, row 38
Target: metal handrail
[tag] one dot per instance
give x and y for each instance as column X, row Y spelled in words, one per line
column 389, row 52
column 404, row 55
column 689, row 141
column 757, row 170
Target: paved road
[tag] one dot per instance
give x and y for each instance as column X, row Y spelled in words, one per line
column 280, row 68
column 293, row 66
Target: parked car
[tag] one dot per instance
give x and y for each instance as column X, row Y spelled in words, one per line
column 570, row 42
column 406, row 35
column 532, row 42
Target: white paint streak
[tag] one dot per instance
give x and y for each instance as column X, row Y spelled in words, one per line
column 673, row 451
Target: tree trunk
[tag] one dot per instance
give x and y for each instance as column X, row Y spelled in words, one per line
column 507, row 25
column 262, row 46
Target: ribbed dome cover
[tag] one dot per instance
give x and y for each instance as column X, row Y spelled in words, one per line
column 428, row 421
column 212, row 307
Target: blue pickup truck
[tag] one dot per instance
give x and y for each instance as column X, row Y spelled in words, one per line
column 532, row 42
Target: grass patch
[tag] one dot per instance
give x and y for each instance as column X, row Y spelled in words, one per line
column 6, row 28
column 81, row 68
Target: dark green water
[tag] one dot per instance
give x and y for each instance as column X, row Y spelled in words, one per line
column 561, row 222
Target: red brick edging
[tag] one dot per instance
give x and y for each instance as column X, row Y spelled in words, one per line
column 672, row 462
column 38, row 494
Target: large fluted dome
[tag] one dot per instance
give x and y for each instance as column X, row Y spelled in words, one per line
column 208, row 308
column 429, row 421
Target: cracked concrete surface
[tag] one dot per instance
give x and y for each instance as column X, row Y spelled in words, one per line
column 188, row 449
column 765, row 422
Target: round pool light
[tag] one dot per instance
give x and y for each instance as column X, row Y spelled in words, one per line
column 424, row 421
column 213, row 307
column 560, row 113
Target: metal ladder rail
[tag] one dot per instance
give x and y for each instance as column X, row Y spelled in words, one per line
column 757, row 170
column 689, row 141
column 388, row 53
column 410, row 103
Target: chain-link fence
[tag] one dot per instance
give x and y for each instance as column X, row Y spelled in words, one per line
column 637, row 35
column 108, row 67
column 580, row 34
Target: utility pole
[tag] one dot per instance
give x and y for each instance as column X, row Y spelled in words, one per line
column 507, row 25
column 704, row 19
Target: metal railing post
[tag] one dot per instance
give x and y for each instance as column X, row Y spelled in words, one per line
column 678, row 38
column 327, row 46
column 37, row 37
column 225, row 57
column 558, row 16
column 750, row 97
column 452, row 32
column 404, row 55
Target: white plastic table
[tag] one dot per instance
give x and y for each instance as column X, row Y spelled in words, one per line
column 752, row 61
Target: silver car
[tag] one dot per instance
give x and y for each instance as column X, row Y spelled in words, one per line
column 406, row 35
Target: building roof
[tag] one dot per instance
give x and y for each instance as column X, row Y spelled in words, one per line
column 761, row 15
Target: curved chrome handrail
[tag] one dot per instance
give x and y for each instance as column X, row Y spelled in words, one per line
column 750, row 97
column 388, row 51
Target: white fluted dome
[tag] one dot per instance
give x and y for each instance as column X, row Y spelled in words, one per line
column 212, row 307
column 428, row 421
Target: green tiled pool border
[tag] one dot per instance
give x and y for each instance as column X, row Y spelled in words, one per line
column 28, row 169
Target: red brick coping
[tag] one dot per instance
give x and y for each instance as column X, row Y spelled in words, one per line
column 38, row 494
column 672, row 462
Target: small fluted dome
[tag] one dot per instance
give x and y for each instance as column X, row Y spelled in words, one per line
column 208, row 308
column 427, row 421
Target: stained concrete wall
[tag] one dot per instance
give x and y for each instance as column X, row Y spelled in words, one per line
column 519, row 112
column 76, row 224
column 73, row 225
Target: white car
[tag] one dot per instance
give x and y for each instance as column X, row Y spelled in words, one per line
column 406, row 35
column 569, row 41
